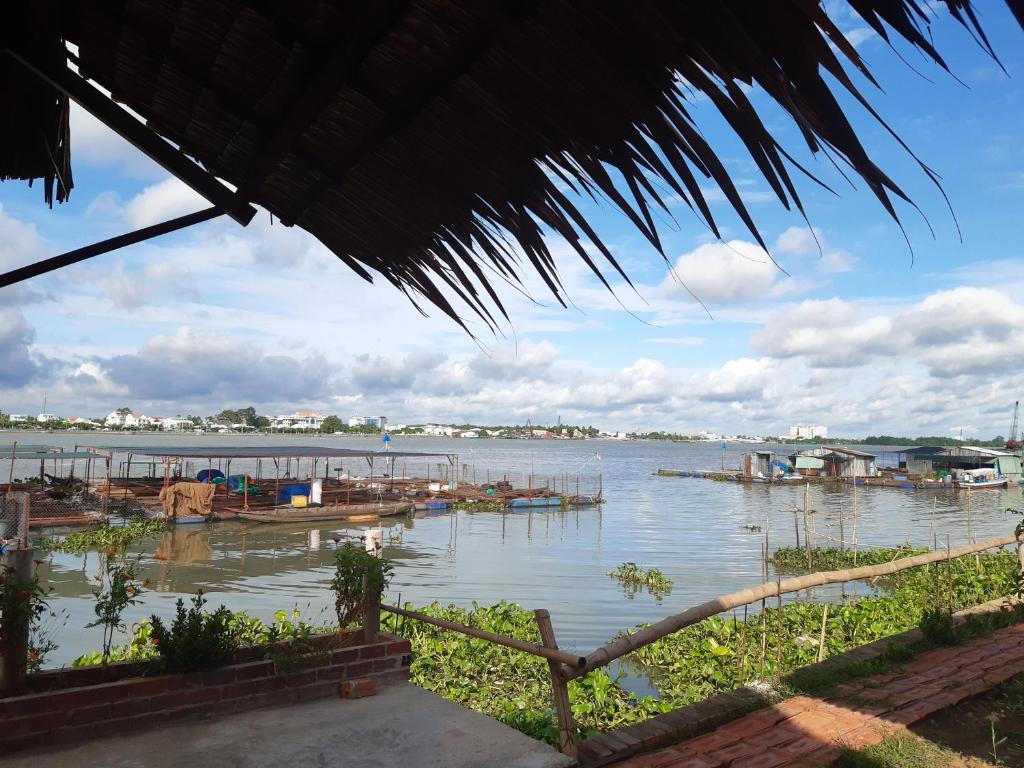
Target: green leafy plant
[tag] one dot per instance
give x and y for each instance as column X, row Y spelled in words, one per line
column 291, row 643
column 43, row 631
column 357, row 574
column 636, row 577
column 23, row 605
column 139, row 648
column 117, row 590
column 242, row 629
column 105, row 537
column 195, row 640
column 938, row 628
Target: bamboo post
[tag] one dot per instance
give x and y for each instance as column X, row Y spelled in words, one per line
column 778, row 628
column 821, row 639
column 10, row 475
column 931, row 533
column 796, row 527
column 970, row 527
column 559, row 688
column 949, row 576
column 842, row 534
column 856, row 515
column 807, row 537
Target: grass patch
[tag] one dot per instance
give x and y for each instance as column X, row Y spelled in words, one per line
column 902, row 751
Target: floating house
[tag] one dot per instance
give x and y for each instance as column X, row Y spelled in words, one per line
column 762, row 464
column 833, row 461
column 934, row 460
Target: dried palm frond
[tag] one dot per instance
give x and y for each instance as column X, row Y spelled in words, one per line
column 437, row 142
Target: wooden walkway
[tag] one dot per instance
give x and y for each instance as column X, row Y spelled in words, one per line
column 806, row 732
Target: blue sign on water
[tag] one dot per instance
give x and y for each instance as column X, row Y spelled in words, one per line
column 724, row 445
column 387, row 438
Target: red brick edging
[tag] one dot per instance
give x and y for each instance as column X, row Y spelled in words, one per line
column 808, row 732
column 79, row 705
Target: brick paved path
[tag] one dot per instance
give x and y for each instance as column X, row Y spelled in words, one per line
column 805, row 732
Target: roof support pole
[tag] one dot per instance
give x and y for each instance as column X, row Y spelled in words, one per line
column 106, row 110
column 105, row 246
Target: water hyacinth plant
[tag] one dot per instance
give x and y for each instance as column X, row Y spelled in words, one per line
column 104, row 538
column 635, row 578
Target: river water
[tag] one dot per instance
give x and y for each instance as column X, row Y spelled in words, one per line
column 692, row 529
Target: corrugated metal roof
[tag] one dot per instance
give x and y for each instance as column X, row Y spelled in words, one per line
column 20, row 455
column 259, row 452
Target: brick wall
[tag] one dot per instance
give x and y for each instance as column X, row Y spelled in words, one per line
column 83, row 703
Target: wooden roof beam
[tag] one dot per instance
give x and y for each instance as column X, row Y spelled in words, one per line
column 105, row 246
column 141, row 137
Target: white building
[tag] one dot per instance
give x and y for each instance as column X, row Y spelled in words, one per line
column 17, row 417
column 298, row 420
column 123, row 418
column 807, row 432
column 78, row 421
column 45, row 418
column 378, row 422
column 437, row 430
column 176, row 424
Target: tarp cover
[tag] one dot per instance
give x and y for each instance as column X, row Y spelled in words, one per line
column 187, row 499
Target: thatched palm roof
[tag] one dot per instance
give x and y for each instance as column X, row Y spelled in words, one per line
column 430, row 141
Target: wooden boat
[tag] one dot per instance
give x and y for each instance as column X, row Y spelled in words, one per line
column 371, row 511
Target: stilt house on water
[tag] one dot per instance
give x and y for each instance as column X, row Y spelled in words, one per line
column 833, row 461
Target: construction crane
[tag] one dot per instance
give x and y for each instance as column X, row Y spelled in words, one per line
column 1012, row 442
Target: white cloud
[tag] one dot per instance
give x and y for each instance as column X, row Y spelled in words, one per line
column 804, row 242
column 722, row 273
column 736, row 380
column 963, row 331
column 94, row 143
column 159, row 202
column 157, row 283
column 20, row 243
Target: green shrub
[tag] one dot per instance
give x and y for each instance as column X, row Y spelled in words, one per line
column 358, row 573
column 938, row 628
column 195, row 640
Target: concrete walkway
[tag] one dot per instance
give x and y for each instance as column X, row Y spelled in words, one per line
column 805, row 732
column 402, row 726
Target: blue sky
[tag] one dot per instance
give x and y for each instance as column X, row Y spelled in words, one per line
column 862, row 336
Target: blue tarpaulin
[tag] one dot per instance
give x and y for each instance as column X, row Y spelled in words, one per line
column 299, row 489
column 209, row 475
